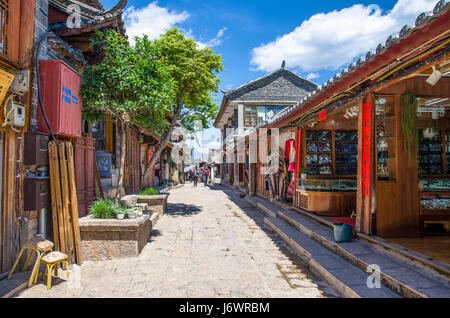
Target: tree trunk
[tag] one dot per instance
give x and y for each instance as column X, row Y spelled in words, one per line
column 165, row 140
column 122, row 161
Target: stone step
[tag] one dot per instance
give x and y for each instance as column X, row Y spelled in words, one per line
column 264, row 206
column 401, row 277
column 418, row 260
column 347, row 279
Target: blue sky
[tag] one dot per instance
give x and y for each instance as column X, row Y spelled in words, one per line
column 316, row 38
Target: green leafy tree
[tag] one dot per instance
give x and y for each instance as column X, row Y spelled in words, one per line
column 131, row 85
column 193, row 71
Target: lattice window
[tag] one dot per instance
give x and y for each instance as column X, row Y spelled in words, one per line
column 3, row 26
column 251, row 116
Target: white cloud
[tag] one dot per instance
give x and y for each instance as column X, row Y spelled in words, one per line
column 216, row 41
column 328, row 41
column 152, row 20
column 312, row 76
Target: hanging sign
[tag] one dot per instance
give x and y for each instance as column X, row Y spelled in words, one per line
column 322, row 115
column 366, row 150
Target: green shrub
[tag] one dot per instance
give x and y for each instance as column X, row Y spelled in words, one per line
column 149, row 191
column 107, row 209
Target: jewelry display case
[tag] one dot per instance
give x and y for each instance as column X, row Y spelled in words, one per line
column 385, row 141
column 435, row 202
column 327, row 185
column 430, row 151
column 327, row 197
column 319, row 152
column 434, row 185
column 346, row 155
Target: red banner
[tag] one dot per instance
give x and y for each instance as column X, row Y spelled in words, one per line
column 297, row 154
column 366, row 150
column 322, row 115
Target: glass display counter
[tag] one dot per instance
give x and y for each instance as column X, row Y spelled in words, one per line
column 434, row 199
column 327, row 197
column 328, row 185
column 435, row 202
column 434, row 185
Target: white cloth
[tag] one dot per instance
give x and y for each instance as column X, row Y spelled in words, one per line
column 166, row 171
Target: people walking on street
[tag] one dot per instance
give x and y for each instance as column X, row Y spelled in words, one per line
column 195, row 177
column 166, row 174
column 205, row 175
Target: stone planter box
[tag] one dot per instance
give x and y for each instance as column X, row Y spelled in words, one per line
column 107, row 239
column 156, row 203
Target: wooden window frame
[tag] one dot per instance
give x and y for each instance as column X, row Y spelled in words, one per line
column 250, row 112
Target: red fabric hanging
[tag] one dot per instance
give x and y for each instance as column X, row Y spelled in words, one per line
column 290, row 143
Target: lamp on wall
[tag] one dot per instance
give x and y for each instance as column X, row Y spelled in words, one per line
column 434, row 77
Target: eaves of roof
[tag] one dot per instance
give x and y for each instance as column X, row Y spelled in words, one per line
column 428, row 27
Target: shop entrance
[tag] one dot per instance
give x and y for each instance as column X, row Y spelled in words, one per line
column 328, row 165
column 412, row 145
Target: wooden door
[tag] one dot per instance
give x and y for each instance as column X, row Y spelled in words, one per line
column 79, row 150
column 133, row 162
column 84, row 153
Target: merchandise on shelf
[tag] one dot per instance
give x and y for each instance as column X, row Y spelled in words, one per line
column 328, row 185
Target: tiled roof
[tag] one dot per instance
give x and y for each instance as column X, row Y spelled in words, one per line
column 281, row 86
column 423, row 19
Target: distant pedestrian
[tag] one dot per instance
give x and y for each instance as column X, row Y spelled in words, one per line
column 195, row 177
column 166, row 174
column 205, row 175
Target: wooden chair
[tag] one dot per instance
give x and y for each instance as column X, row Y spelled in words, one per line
column 38, row 245
column 51, row 261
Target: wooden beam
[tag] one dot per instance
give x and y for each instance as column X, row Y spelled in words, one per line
column 27, row 14
column 65, row 200
column 74, row 203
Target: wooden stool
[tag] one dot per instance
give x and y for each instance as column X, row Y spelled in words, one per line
column 51, row 261
column 38, row 245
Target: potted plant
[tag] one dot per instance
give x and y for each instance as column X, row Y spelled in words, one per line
column 303, row 172
column 120, row 216
column 132, row 214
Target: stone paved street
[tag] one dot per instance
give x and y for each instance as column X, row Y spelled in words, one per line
column 209, row 244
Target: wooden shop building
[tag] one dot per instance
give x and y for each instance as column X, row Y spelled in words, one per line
column 375, row 139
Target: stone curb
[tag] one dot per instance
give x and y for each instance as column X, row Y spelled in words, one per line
column 387, row 280
column 339, row 286
column 405, row 254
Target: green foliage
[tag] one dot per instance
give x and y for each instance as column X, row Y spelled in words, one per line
column 231, row 179
column 130, row 84
column 149, row 191
column 193, row 71
column 107, row 209
column 410, row 127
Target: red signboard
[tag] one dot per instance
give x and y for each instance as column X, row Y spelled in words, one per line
column 366, row 150
column 322, row 115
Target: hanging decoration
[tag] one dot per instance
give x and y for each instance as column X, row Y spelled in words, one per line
column 410, row 127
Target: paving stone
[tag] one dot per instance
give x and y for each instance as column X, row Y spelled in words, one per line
column 213, row 246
